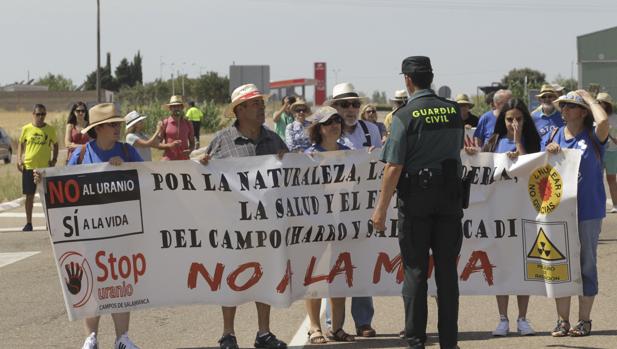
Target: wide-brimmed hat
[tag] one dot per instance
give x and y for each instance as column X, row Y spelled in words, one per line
column 101, row 114
column 558, row 88
column 242, row 94
column 604, row 97
column 298, row 103
column 399, row 96
column 545, row 90
column 323, row 114
column 464, row 99
column 175, row 100
column 133, row 118
column 571, row 97
column 344, row 91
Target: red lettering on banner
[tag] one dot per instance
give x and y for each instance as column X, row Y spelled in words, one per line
column 383, row 261
column 309, row 278
column 213, row 282
column 282, row 286
column 135, row 266
column 343, row 259
column 257, row 273
column 62, row 192
column 472, row 267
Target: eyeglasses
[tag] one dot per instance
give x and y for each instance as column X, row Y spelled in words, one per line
column 548, row 97
column 80, row 110
column 346, row 104
column 336, row 118
column 40, row 114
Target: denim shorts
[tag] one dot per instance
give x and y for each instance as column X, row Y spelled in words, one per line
column 589, row 233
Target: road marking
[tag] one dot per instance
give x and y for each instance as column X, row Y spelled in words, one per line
column 10, row 230
column 300, row 338
column 20, row 215
column 12, row 257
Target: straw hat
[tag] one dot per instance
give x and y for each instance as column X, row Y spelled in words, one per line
column 545, row 90
column 464, row 100
column 133, row 118
column 604, row 97
column 571, row 97
column 101, row 114
column 175, row 100
column 242, row 94
column 344, row 91
column 399, row 96
column 298, row 103
column 558, row 88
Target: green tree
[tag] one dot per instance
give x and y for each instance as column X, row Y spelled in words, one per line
column 56, row 82
column 515, row 80
column 136, row 70
column 379, row 97
column 209, row 87
column 123, row 74
column 108, row 82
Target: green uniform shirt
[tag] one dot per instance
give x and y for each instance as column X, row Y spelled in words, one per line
column 194, row 114
column 425, row 131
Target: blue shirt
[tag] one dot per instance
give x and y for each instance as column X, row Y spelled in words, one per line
column 318, row 148
column 546, row 123
column 504, row 145
column 95, row 155
column 591, row 198
column 486, row 126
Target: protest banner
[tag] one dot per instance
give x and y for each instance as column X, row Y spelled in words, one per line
column 262, row 229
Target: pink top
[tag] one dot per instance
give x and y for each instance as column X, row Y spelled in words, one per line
column 172, row 132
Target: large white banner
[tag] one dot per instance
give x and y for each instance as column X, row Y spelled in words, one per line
column 262, row 229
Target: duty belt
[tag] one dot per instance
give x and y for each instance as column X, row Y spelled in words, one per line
column 425, row 178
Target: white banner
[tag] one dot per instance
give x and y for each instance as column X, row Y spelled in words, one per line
column 261, row 229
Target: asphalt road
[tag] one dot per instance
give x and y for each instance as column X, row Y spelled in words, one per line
column 32, row 313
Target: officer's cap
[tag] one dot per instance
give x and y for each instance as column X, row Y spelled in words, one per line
column 416, row 64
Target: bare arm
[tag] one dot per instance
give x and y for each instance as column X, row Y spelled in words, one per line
column 20, row 156
column 54, row 156
column 391, row 175
column 599, row 115
column 67, row 137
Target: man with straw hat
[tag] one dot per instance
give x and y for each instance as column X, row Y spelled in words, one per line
column 547, row 117
column 246, row 137
column 400, row 98
column 469, row 120
column 177, row 132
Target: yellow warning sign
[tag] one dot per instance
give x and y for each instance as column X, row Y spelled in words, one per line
column 550, row 273
column 544, row 249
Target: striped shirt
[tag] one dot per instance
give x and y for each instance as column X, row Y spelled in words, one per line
column 230, row 142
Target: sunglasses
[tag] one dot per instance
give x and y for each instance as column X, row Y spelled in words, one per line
column 80, row 110
column 40, row 114
column 335, row 118
column 548, row 97
column 568, row 105
column 370, row 111
column 301, row 110
column 346, row 104
column 113, row 124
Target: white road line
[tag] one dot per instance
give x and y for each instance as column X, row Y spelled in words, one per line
column 300, row 338
column 12, row 257
column 35, row 228
column 20, row 215
column 37, row 204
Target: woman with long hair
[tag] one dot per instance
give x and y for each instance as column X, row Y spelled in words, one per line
column 78, row 120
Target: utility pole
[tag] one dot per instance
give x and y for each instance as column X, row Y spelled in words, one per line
column 98, row 51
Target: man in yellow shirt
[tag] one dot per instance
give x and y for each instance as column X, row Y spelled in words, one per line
column 37, row 148
column 194, row 115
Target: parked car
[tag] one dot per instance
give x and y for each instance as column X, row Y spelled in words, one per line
column 6, row 151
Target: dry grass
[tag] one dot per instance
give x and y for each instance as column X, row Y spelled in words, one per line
column 12, row 122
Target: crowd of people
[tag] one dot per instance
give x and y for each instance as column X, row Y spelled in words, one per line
column 576, row 120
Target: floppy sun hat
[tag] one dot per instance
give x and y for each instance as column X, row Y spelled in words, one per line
column 133, row 118
column 464, row 99
column 242, row 94
column 323, row 114
column 546, row 89
column 573, row 98
column 101, row 114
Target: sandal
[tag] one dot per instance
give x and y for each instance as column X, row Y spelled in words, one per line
column 316, row 337
column 341, row 336
column 562, row 329
column 582, row 329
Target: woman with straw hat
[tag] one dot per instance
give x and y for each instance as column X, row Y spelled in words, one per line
column 580, row 110
column 295, row 134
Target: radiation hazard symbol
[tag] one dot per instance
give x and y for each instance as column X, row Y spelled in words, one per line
column 544, row 249
column 546, row 252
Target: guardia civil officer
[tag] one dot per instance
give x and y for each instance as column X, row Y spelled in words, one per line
column 423, row 164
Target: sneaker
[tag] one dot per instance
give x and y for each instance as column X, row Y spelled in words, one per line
column 613, row 210
column 27, row 227
column 524, row 328
column 228, row 341
column 268, row 340
column 124, row 343
column 90, row 342
column 502, row 328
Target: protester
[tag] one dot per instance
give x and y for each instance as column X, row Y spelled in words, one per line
column 400, row 98
column 369, row 113
column 246, row 137
column 425, row 172
column 78, row 119
column 560, row 90
column 610, row 157
column 469, row 120
column 547, row 117
column 580, row 110
column 37, row 148
column 515, row 134
column 486, row 124
column 324, row 132
column 195, row 116
column 295, row 134
column 357, row 134
column 283, row 116
column 136, row 136
column 176, row 128
column 104, row 130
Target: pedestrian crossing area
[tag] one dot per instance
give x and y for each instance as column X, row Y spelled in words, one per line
column 13, row 216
